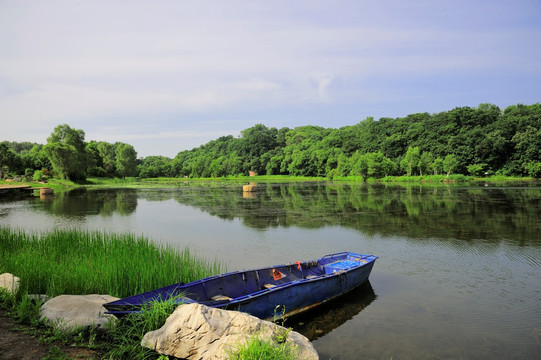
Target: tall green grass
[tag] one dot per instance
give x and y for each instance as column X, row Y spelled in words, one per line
column 83, row 262
column 89, row 262
column 268, row 349
column 123, row 338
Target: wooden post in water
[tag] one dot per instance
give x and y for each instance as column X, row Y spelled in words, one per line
column 248, row 191
column 46, row 193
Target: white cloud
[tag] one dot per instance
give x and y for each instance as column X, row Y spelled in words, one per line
column 70, row 61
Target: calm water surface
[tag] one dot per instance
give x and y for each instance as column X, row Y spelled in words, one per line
column 459, row 273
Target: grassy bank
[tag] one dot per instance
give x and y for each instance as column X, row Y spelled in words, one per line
column 132, row 182
column 175, row 182
column 83, row 262
column 236, row 180
column 55, row 184
column 454, row 178
column 90, row 262
column 121, row 339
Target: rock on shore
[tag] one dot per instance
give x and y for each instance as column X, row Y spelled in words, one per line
column 10, row 282
column 195, row 331
column 76, row 311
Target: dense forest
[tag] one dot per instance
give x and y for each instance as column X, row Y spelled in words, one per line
column 472, row 141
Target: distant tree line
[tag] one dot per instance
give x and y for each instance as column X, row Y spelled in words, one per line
column 465, row 140
column 68, row 156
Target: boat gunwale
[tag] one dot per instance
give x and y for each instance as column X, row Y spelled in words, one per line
column 295, row 282
column 254, row 295
column 373, row 258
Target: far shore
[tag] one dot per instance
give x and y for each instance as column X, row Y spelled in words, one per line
column 63, row 185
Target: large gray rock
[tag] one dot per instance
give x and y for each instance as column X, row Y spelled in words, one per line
column 10, row 282
column 70, row 312
column 195, row 331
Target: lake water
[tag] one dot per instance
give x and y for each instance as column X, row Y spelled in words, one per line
column 458, row 274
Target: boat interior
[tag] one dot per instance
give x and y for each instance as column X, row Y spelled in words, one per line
column 248, row 283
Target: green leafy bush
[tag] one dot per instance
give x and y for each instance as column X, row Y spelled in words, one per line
column 38, row 175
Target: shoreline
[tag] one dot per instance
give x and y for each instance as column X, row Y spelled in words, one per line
column 435, row 180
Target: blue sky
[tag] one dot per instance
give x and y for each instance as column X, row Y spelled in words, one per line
column 170, row 75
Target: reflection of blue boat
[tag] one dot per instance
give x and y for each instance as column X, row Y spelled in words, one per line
column 298, row 287
column 318, row 322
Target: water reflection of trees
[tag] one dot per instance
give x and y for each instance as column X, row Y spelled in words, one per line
column 418, row 211
column 491, row 213
column 82, row 202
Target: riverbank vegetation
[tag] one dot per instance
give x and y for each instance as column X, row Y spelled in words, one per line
column 120, row 339
column 81, row 262
column 277, row 179
column 91, row 262
column 268, row 349
column 480, row 141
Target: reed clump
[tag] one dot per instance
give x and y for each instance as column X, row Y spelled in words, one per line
column 123, row 338
column 92, row 262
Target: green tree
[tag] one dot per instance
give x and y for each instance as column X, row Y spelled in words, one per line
column 450, row 163
column 360, row 164
column 534, row 169
column 255, row 142
column 272, row 160
column 426, row 162
column 95, row 161
column 155, row 166
column 343, row 166
column 8, row 160
column 477, row 169
column 388, row 167
column 108, row 157
column 373, row 164
column 438, row 166
column 394, row 145
column 67, row 152
column 494, row 149
column 233, row 163
column 410, row 162
column 126, row 160
column 35, row 158
column 506, row 141
column 38, row 175
column 216, row 168
column 528, row 145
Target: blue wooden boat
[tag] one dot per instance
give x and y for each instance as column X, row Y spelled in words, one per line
column 295, row 287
